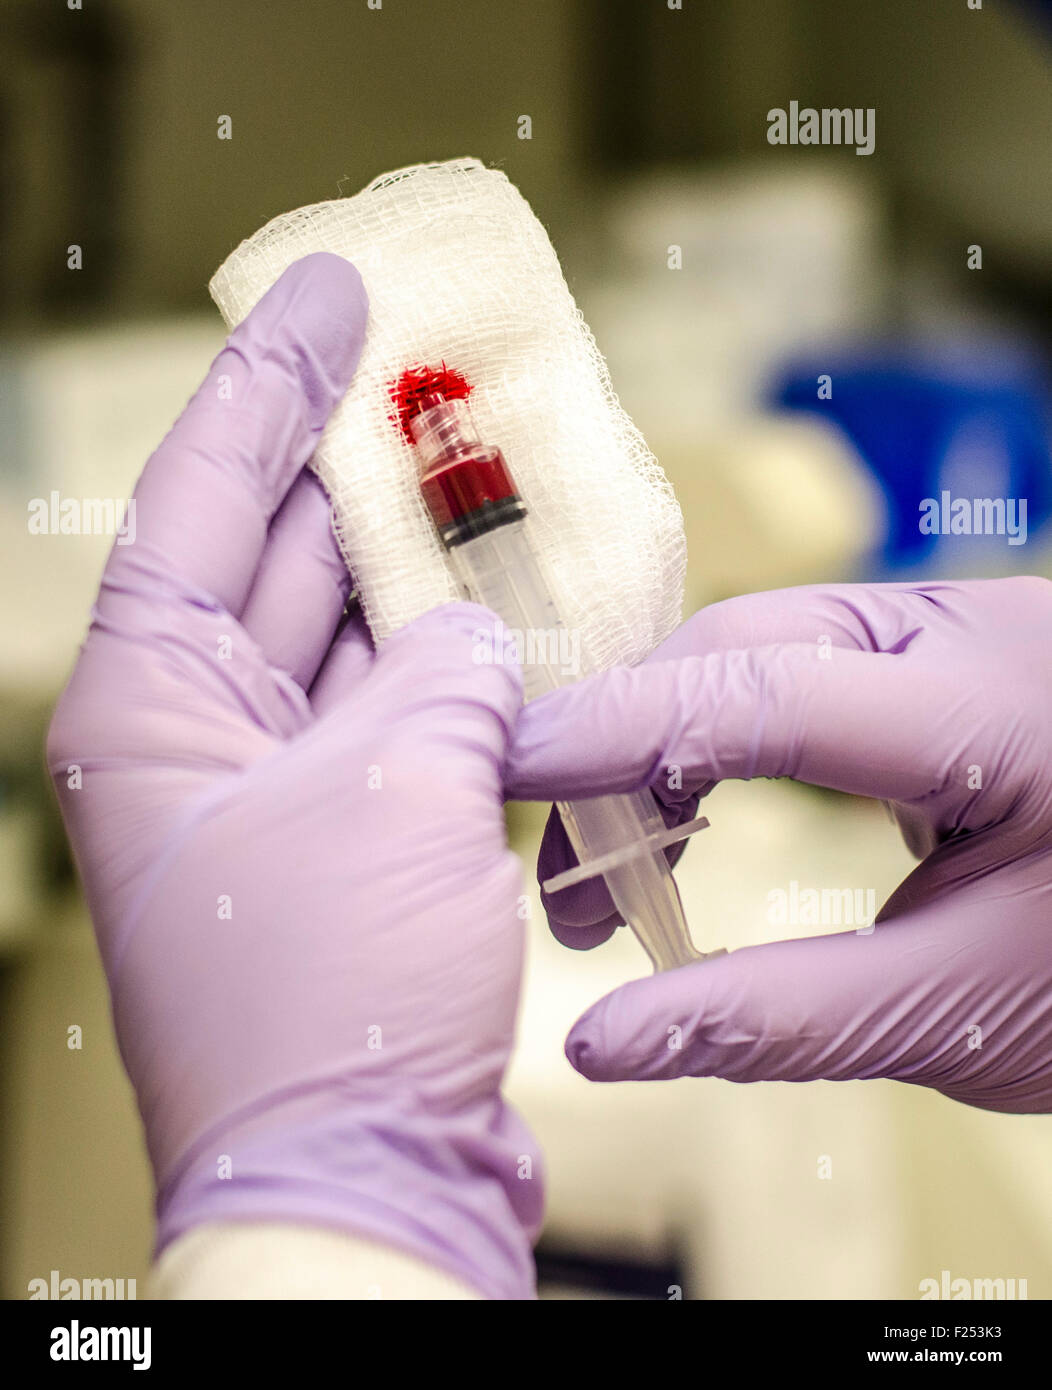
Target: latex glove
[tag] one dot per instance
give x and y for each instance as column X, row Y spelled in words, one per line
column 294, row 849
column 915, row 694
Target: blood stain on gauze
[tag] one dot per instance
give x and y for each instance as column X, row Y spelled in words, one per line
column 459, row 271
column 416, row 384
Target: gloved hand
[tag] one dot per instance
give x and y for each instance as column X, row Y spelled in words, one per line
column 293, row 848
column 934, row 697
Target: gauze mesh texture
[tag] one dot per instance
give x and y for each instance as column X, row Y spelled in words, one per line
column 459, row 271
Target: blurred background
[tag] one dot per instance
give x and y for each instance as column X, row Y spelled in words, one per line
column 724, row 278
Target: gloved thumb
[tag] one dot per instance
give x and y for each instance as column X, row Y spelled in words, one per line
column 859, row 1004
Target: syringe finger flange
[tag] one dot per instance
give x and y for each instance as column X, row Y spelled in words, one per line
column 647, row 845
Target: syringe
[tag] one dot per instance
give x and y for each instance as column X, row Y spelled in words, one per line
column 480, row 518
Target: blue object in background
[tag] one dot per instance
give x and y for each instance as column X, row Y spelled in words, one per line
column 976, row 426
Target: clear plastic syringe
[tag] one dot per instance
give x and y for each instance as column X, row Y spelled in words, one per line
column 480, row 518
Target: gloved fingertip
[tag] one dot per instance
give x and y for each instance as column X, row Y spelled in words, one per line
column 333, row 282
column 580, row 938
column 585, row 1048
column 580, row 1053
column 311, row 322
column 580, row 907
column 458, row 620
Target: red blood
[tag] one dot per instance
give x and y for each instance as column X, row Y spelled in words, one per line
column 466, row 479
column 415, row 384
column 463, row 482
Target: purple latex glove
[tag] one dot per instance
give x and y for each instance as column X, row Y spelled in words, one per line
column 293, row 848
column 910, row 693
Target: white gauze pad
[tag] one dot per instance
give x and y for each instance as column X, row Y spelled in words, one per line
column 459, row 271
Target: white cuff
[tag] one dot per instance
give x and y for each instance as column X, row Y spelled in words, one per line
column 277, row 1261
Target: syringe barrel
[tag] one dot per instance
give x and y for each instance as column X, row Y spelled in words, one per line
column 501, row 570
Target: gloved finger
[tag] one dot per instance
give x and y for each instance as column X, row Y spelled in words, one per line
column 206, row 497
column 346, row 665
column 583, row 916
column 843, row 615
column 865, row 617
column 880, row 725
column 301, row 586
column 435, row 703
column 858, row 1005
